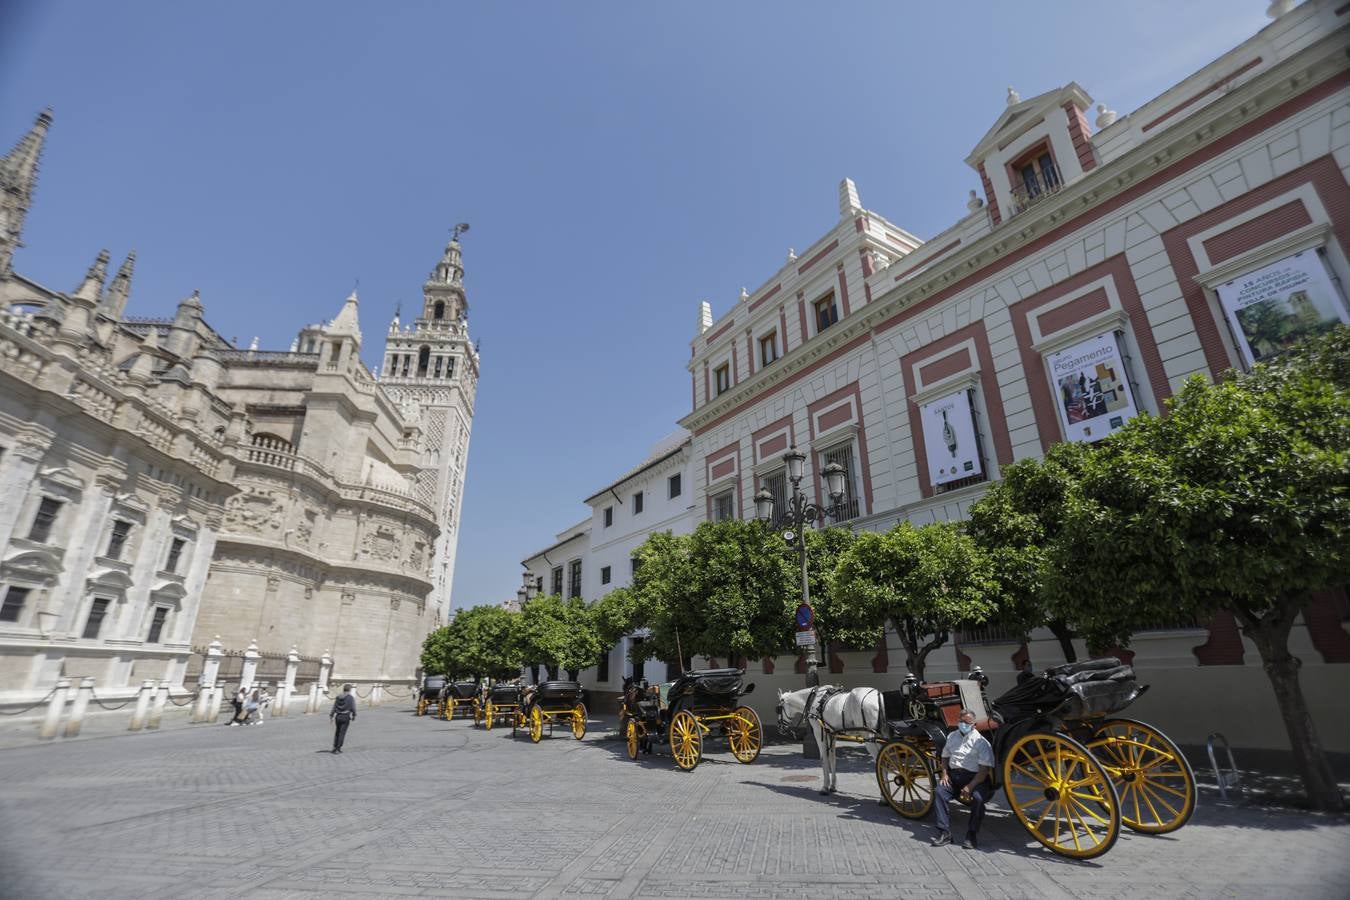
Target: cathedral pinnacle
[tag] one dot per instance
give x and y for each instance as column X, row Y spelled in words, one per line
column 92, row 286
column 115, row 297
column 346, row 322
column 18, row 178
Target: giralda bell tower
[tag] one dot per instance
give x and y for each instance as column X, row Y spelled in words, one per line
column 431, row 369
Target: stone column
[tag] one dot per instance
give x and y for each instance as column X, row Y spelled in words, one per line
column 207, row 685
column 55, row 707
column 251, row 657
column 325, row 669
column 161, row 694
column 213, row 710
column 288, row 683
column 142, row 706
column 77, row 709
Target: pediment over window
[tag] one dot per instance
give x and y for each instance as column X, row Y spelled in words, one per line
column 1023, row 115
column 110, row 579
column 30, row 565
column 61, row 476
column 168, row 592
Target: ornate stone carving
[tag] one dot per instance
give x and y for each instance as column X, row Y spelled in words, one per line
column 254, row 510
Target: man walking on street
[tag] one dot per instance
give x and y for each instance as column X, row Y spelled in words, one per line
column 344, row 710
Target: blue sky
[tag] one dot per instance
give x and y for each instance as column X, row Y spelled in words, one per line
column 618, row 162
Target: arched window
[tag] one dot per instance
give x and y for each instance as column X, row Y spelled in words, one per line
column 438, row 311
column 423, row 360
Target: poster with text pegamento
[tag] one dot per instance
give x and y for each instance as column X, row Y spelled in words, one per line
column 949, row 438
column 1278, row 305
column 1092, row 392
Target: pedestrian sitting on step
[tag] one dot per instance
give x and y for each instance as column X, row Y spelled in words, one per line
column 967, row 772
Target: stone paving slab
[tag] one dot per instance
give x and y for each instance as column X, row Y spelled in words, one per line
column 427, row 808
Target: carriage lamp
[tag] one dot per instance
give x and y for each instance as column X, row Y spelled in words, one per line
column 795, row 460
column 764, row 506
column 834, row 481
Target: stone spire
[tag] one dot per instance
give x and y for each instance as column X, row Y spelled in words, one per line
column 18, row 178
column 115, row 298
column 450, row 270
column 443, row 294
column 142, row 366
column 346, row 324
column 849, row 204
column 92, row 287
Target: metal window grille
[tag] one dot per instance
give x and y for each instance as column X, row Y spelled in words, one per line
column 44, row 520
column 94, row 623
column 157, row 625
column 175, row 551
column 609, row 516
column 776, row 485
column 848, row 504
column 557, row 581
column 605, row 572
column 675, row 485
column 637, row 503
column 574, row 579
column 991, row 633
column 117, row 542
column 15, row 598
column 723, row 507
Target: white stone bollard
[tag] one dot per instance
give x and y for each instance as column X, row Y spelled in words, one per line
column 325, row 669
column 250, row 670
column 142, row 706
column 77, row 709
column 377, row 693
column 203, row 703
column 161, row 694
column 287, row 687
column 313, row 705
column 213, row 711
column 55, row 707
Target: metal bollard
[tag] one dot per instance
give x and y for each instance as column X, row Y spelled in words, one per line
column 142, row 706
column 55, row 707
column 1231, row 778
column 77, row 709
column 157, row 707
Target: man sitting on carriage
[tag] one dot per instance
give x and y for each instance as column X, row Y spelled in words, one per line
column 967, row 772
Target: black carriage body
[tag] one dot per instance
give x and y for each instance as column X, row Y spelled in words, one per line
column 463, row 690
column 708, row 689
column 555, row 695
column 504, row 695
column 432, row 685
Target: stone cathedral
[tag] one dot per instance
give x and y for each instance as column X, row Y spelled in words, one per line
column 161, row 487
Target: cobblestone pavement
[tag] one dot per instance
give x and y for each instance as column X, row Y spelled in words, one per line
column 422, row 807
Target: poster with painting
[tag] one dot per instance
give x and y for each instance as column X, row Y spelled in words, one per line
column 949, row 438
column 1092, row 389
column 1278, row 305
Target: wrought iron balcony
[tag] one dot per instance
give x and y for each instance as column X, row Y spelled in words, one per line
column 1036, row 188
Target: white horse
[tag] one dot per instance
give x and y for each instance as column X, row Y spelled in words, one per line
column 856, row 712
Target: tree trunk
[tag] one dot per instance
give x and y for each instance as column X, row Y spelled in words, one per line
column 1064, row 634
column 572, row 674
column 1271, row 636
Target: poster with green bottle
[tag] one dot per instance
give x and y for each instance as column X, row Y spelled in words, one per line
column 949, row 438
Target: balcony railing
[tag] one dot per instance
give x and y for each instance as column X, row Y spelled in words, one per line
column 1036, row 188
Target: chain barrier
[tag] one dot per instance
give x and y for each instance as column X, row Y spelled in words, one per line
column 130, row 700
column 19, row 712
column 390, row 693
column 361, row 696
column 191, row 698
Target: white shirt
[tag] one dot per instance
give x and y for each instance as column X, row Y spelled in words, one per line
column 968, row 751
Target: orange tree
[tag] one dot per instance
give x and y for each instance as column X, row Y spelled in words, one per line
column 1238, row 500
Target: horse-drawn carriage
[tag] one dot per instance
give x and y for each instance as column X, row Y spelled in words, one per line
column 551, row 702
column 429, row 694
column 1072, row 769
column 499, row 702
column 462, row 695
column 685, row 710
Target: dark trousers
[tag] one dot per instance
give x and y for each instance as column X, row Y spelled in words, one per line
column 340, row 731
column 947, row 793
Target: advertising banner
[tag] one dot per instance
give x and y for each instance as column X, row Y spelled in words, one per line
column 1280, row 304
column 1092, row 392
column 949, row 438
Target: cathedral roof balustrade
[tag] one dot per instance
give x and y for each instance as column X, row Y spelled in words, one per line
column 270, row 358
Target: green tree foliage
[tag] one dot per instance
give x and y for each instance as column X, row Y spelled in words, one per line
column 724, row 589
column 1015, row 523
column 480, row 641
column 559, row 634
column 928, row 581
column 1238, row 500
column 834, row 620
column 617, row 613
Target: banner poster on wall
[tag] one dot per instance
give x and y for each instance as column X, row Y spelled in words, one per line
column 949, row 438
column 1092, row 390
column 1280, row 304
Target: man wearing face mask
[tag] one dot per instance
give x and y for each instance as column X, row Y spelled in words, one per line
column 967, row 768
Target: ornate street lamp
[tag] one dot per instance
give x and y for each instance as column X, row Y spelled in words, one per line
column 794, row 519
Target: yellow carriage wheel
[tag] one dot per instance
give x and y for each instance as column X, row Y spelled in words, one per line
column 536, row 724
column 905, row 776
column 745, row 734
column 422, row 706
column 448, row 709
column 631, row 738
column 579, row 721
column 477, row 714
column 1062, row 795
column 1155, row 782
column 686, row 740
column 487, row 716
